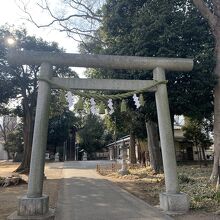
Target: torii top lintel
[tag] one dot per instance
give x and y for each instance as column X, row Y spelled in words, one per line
column 98, row 61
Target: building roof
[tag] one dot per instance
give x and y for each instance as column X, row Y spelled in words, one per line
column 120, row 141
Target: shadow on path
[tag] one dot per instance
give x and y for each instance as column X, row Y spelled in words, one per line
column 85, row 195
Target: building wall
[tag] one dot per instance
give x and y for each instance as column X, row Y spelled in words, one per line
column 3, row 153
column 185, row 151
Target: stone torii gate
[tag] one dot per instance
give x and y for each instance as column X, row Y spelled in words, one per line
column 35, row 205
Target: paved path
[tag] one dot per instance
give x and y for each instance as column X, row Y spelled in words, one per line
column 85, row 195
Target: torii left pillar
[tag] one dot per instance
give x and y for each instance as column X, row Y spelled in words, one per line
column 35, row 205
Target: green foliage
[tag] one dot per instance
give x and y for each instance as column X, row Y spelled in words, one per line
column 92, row 134
column 20, row 83
column 183, row 178
column 14, row 142
column 58, row 103
column 59, row 127
column 123, row 123
column 163, row 29
column 193, row 180
column 198, row 131
column 202, row 193
column 217, row 196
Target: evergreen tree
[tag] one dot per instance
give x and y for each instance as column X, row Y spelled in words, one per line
column 160, row 29
column 91, row 134
column 20, row 83
column 210, row 10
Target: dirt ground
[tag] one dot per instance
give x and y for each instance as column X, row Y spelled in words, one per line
column 9, row 195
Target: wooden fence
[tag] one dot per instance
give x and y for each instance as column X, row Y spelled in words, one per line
column 105, row 169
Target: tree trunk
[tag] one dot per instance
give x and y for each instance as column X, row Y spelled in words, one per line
column 199, row 154
column 147, row 156
column 142, row 148
column 203, row 155
column 213, row 19
column 218, row 180
column 215, row 170
column 28, row 138
column 153, row 146
column 132, row 149
column 139, row 159
column 8, row 153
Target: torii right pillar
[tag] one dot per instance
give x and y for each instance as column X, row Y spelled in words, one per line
column 171, row 201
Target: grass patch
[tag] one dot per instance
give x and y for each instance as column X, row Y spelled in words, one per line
column 197, row 185
column 193, row 180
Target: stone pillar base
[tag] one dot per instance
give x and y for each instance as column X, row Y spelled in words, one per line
column 174, row 204
column 123, row 172
column 49, row 216
column 33, row 208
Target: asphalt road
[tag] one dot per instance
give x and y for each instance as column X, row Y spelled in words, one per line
column 85, row 195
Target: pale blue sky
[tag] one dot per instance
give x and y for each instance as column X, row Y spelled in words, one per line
column 10, row 13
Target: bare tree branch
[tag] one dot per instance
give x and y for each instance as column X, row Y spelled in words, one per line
column 3, row 132
column 82, row 19
column 88, row 10
column 8, row 125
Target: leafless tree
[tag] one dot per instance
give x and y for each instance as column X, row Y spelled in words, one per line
column 8, row 125
column 77, row 18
